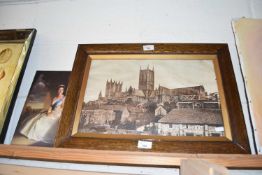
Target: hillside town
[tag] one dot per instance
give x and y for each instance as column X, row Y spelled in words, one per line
column 149, row 110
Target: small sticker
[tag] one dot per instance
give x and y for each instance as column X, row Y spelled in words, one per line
column 148, row 47
column 144, row 144
column 218, row 129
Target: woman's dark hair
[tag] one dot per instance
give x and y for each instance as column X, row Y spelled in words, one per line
column 61, row 86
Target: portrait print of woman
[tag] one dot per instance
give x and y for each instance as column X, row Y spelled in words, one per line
column 43, row 126
column 43, row 108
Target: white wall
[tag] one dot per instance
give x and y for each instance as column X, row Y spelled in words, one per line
column 62, row 24
column 256, row 8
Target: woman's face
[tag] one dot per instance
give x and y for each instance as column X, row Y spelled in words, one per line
column 60, row 91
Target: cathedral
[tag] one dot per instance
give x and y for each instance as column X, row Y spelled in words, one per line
column 146, row 81
column 147, row 92
column 186, row 111
column 113, row 89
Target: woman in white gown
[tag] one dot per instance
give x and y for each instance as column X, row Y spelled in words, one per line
column 44, row 125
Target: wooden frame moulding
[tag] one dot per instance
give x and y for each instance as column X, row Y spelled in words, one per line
column 235, row 140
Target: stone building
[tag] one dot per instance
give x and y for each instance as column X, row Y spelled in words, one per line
column 147, row 92
column 113, row 89
column 97, row 117
column 162, row 110
column 146, row 81
column 165, row 94
column 191, row 122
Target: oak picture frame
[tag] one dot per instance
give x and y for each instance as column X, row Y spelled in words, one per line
column 235, row 142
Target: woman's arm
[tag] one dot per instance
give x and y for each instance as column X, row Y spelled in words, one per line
column 50, row 108
column 62, row 105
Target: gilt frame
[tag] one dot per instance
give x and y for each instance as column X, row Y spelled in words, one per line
column 24, row 37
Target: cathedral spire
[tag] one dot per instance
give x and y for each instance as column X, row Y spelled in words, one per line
column 100, row 95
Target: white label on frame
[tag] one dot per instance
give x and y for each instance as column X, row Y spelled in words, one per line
column 218, row 129
column 144, row 144
column 148, row 47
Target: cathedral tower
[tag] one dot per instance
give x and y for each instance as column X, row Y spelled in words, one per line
column 146, row 81
column 113, row 88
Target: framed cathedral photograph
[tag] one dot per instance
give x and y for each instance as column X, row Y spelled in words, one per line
column 179, row 98
column 15, row 48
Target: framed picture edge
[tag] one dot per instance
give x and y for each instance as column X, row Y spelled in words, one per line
column 239, row 143
column 17, row 35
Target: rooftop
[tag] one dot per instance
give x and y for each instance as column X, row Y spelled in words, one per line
column 193, row 116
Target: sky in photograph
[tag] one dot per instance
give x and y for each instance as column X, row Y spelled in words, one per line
column 168, row 73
